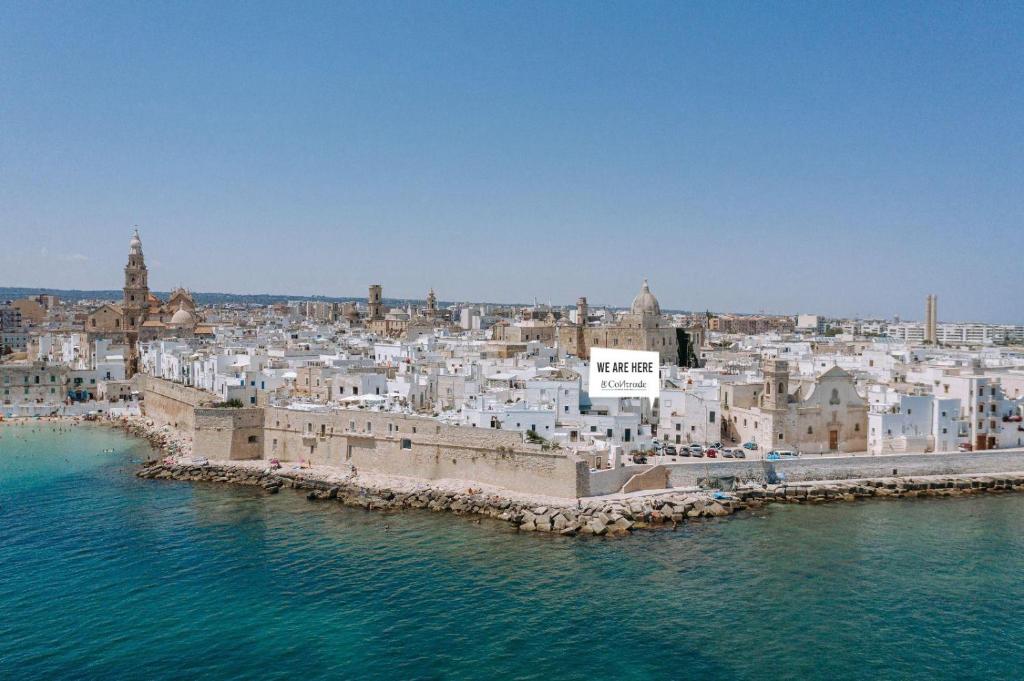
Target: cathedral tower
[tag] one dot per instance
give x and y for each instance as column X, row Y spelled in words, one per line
column 431, row 304
column 134, row 307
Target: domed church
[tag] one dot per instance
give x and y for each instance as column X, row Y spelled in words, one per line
column 642, row 328
column 141, row 315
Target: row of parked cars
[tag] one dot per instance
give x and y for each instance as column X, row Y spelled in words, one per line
column 713, row 451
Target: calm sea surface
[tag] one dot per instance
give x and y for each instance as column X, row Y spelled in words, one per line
column 104, row 576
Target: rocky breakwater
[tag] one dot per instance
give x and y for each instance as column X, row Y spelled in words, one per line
column 620, row 517
column 596, row 518
column 164, row 439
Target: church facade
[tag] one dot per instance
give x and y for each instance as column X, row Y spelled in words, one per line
column 819, row 416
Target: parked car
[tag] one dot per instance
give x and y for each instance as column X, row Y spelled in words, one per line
column 750, row 445
column 698, row 453
column 739, row 453
column 200, row 461
column 696, row 448
column 712, row 454
column 684, row 452
column 777, row 454
column 639, row 458
column 728, row 453
column 656, row 444
column 670, row 450
column 715, row 445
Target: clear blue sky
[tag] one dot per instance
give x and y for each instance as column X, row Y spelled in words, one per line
column 842, row 158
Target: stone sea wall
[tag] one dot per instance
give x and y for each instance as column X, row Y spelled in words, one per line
column 171, row 404
column 599, row 518
column 420, row 447
column 229, row 434
column 807, row 468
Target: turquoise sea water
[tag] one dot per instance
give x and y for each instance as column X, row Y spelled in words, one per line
column 105, row 576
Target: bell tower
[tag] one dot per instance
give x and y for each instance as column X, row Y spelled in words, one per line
column 374, row 305
column 134, row 306
column 431, row 304
column 775, row 402
column 776, row 385
column 581, row 311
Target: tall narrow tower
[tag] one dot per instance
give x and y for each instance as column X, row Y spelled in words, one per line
column 431, row 304
column 581, row 311
column 134, row 305
column 775, row 402
column 373, row 302
column 931, row 322
column 776, row 384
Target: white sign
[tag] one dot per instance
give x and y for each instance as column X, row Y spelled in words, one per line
column 624, row 373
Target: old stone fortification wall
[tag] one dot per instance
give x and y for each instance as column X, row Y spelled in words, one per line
column 228, row 434
column 420, row 447
column 849, row 467
column 172, row 404
column 609, row 480
column 655, row 477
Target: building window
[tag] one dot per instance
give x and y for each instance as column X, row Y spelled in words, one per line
column 810, row 430
column 406, row 443
column 856, row 427
column 253, row 439
column 711, row 417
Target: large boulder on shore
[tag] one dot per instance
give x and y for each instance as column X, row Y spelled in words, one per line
column 716, row 509
column 620, row 526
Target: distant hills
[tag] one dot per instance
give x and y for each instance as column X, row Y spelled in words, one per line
column 75, row 295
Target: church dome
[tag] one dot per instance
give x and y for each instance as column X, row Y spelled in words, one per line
column 645, row 303
column 135, row 245
column 183, row 318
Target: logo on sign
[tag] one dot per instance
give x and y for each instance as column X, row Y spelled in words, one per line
column 624, row 373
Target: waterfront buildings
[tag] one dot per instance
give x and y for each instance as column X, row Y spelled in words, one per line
column 805, row 383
